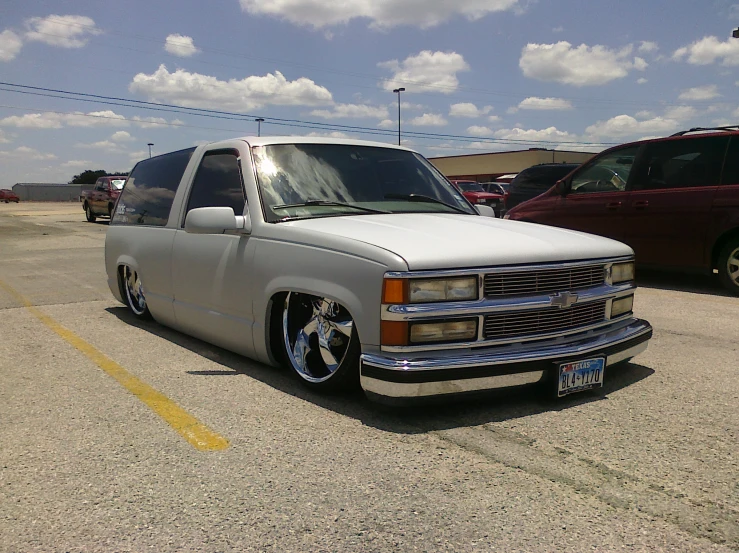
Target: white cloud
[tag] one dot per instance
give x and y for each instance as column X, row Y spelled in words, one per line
column 150, row 122
column 476, row 130
column 387, row 124
column 559, row 29
column 467, row 109
column 579, row 66
column 76, row 164
column 51, row 120
column 641, row 80
column 698, row 93
column 332, row 134
column 24, row 152
column 680, row 113
column 426, row 72
column 428, row 120
column 10, row 45
column 709, row 50
column 138, row 155
column 196, row 90
column 121, row 136
column 3, row 138
column 545, row 104
column 65, row 31
column 101, row 145
column 625, row 125
column 644, row 114
column 351, row 111
column 550, row 134
column 382, row 14
column 647, row 46
column 493, row 118
column 180, row 45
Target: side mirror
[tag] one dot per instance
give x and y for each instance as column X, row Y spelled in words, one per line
column 561, row 187
column 485, row 210
column 216, row 220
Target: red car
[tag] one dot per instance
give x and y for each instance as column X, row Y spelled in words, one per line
column 8, row 196
column 476, row 194
column 99, row 201
column 674, row 200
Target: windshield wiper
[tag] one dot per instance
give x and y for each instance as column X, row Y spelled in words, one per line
column 426, row 199
column 329, row 203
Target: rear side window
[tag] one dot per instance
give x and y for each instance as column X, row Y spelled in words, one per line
column 543, row 177
column 218, row 182
column 685, row 163
column 731, row 167
column 150, row 189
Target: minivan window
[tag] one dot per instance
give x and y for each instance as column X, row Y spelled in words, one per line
column 686, row 163
column 218, row 182
column 608, row 173
column 150, row 189
column 731, row 167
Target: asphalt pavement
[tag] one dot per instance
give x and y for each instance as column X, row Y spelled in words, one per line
column 88, row 463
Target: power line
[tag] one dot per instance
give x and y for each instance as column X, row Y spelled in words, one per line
column 218, row 114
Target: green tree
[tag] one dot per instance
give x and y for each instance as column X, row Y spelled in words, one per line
column 89, row 176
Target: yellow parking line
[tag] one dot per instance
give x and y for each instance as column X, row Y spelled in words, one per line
column 195, row 432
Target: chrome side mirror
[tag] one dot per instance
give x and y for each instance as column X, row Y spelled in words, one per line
column 485, row 210
column 216, row 220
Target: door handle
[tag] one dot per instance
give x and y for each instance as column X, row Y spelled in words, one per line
column 613, row 205
column 641, row 204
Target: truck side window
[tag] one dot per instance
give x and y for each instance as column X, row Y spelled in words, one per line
column 608, row 173
column 218, row 183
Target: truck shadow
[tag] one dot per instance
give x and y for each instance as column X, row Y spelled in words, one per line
column 681, row 282
column 496, row 406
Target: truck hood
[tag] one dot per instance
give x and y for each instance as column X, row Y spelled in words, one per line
column 450, row 241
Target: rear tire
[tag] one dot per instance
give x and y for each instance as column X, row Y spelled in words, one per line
column 133, row 289
column 728, row 266
column 89, row 215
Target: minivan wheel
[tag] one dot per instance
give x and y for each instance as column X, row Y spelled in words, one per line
column 321, row 343
column 89, row 214
column 728, row 266
column 134, row 289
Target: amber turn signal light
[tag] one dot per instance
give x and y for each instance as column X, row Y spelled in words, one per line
column 393, row 333
column 395, row 291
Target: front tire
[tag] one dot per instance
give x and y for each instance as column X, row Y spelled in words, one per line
column 133, row 289
column 89, row 214
column 728, row 266
column 320, row 343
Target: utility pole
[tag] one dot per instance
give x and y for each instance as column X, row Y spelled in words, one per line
column 259, row 121
column 398, row 91
column 150, row 144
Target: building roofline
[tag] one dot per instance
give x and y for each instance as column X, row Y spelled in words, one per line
column 514, row 152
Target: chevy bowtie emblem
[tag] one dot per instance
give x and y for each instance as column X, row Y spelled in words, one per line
column 563, row 300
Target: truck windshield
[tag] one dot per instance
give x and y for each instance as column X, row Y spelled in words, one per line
column 299, row 181
column 118, row 184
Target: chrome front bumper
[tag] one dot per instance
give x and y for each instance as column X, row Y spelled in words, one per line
column 455, row 372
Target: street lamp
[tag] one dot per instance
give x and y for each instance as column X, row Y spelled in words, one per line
column 398, row 91
column 150, row 144
column 735, row 34
column 259, row 121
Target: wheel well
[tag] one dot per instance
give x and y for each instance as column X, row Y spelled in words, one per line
column 274, row 326
column 724, row 239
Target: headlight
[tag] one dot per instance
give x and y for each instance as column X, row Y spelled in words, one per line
column 622, row 272
column 442, row 289
column 450, row 331
column 622, row 306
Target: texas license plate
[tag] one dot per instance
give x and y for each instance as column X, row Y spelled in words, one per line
column 581, row 375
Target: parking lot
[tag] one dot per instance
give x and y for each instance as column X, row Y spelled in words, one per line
column 96, row 410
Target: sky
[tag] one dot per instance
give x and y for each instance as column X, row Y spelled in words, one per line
column 89, row 84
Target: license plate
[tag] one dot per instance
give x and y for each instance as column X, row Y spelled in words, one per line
column 581, row 375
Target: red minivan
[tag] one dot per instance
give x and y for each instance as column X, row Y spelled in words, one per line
column 674, row 200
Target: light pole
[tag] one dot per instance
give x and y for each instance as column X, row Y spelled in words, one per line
column 735, row 34
column 150, row 144
column 398, row 91
column 259, row 121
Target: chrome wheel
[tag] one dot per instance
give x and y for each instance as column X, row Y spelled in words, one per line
column 318, row 333
column 732, row 266
column 134, row 291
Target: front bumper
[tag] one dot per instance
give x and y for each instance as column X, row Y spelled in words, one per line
column 455, row 372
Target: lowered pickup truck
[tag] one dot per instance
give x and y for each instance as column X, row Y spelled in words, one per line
column 99, row 201
column 351, row 263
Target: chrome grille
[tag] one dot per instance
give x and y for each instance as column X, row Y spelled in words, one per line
column 544, row 281
column 543, row 321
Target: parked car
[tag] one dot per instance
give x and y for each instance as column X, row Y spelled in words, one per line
column 496, row 187
column 8, row 196
column 476, row 194
column 536, row 180
column 100, row 201
column 357, row 263
column 674, row 200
